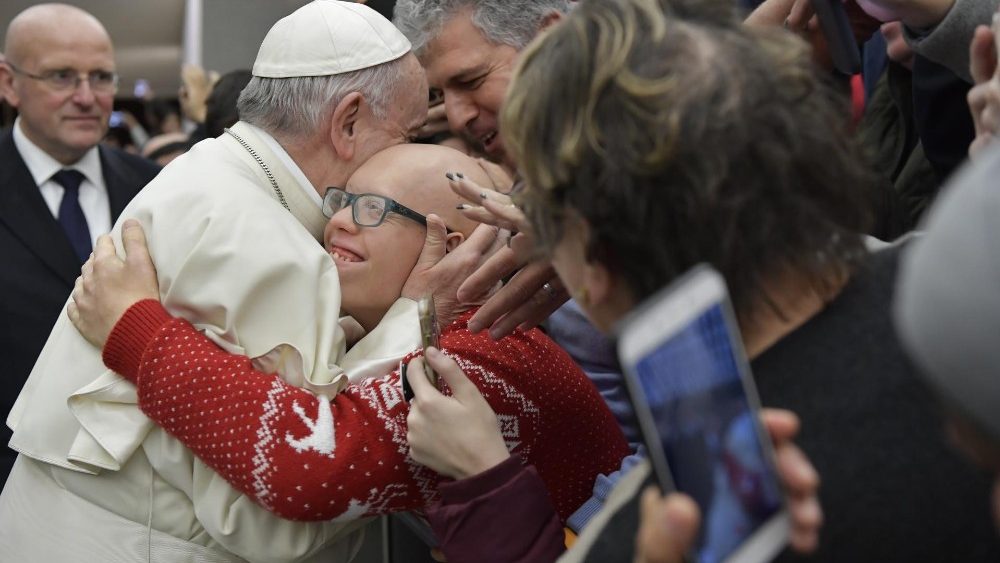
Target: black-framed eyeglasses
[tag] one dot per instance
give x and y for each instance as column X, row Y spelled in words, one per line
column 67, row 79
column 367, row 210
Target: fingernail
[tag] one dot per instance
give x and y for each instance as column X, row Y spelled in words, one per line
column 460, row 175
column 450, row 176
column 432, row 353
column 474, row 326
column 461, row 206
column 482, row 195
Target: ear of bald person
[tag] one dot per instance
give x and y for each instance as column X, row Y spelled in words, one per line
column 441, row 273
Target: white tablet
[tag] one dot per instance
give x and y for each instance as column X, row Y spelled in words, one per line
column 697, row 408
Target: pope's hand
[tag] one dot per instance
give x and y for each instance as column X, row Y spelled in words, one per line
column 110, row 285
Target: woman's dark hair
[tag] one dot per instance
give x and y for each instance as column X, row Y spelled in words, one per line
column 681, row 136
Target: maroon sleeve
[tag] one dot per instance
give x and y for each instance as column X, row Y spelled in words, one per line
column 503, row 514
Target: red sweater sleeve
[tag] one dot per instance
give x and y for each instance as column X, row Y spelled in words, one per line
column 311, row 458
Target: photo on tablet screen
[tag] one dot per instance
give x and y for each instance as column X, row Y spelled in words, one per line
column 698, row 414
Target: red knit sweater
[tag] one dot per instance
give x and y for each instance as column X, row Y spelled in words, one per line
column 304, row 457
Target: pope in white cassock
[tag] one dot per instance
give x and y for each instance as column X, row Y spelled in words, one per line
column 234, row 226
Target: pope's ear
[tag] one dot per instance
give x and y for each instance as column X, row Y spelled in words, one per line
column 343, row 125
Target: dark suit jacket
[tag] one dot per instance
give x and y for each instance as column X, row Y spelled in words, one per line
column 38, row 267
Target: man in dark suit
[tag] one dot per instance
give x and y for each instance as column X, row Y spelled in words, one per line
column 59, row 190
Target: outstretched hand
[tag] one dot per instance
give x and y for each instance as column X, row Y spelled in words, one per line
column 457, row 436
column 533, row 293
column 109, row 285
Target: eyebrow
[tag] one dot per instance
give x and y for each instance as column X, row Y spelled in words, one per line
column 468, row 73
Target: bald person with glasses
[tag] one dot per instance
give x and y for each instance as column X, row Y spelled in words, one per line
column 59, row 190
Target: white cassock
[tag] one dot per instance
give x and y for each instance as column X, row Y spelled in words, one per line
column 95, row 480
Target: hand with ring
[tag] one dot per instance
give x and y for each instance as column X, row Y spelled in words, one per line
column 533, row 293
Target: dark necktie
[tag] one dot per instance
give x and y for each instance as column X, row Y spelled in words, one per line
column 71, row 216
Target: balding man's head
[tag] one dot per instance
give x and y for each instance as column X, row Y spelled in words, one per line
column 33, row 30
column 414, row 175
column 374, row 262
column 59, row 74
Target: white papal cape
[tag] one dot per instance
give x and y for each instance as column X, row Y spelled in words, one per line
column 96, row 481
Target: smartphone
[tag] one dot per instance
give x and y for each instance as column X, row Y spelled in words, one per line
column 429, row 332
column 429, row 336
column 840, row 40
column 691, row 389
column 116, row 119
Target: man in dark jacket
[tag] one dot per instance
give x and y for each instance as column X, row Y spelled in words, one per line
column 58, row 189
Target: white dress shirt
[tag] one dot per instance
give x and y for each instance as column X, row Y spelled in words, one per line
column 93, row 191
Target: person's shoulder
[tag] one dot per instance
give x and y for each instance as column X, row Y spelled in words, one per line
column 140, row 166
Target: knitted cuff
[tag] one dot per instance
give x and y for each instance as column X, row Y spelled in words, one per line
column 131, row 335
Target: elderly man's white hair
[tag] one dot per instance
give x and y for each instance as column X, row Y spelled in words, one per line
column 507, row 22
column 293, row 108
